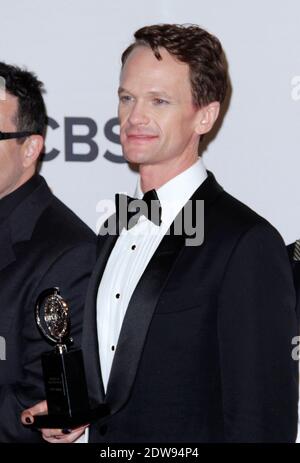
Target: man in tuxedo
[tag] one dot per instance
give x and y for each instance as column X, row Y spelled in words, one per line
column 42, row 245
column 185, row 343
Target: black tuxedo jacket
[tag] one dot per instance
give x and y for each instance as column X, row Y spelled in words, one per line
column 204, row 353
column 296, row 271
column 42, row 244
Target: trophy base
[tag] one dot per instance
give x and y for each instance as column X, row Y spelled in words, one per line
column 60, row 421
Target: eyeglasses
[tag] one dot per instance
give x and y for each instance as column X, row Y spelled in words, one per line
column 9, row 135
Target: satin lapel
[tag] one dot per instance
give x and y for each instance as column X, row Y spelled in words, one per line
column 90, row 344
column 7, row 255
column 137, row 321
column 143, row 303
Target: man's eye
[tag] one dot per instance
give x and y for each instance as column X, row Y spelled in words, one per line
column 160, row 101
column 124, row 98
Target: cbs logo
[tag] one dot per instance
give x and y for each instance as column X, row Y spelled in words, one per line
column 91, row 149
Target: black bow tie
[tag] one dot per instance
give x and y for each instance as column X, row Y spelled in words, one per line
column 129, row 210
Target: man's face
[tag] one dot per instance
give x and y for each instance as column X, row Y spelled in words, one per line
column 156, row 111
column 11, row 168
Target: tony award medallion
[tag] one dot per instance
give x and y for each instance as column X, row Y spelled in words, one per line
column 63, row 368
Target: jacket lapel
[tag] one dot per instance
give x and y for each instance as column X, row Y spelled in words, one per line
column 7, row 255
column 20, row 225
column 137, row 321
column 142, row 307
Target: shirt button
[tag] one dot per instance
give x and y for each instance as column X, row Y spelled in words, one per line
column 117, row 295
column 133, row 247
column 112, row 347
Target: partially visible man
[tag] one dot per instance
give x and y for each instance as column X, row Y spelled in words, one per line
column 42, row 244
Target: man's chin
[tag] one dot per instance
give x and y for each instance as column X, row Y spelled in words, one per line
column 133, row 157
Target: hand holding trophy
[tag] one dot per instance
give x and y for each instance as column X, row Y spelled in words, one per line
column 63, row 368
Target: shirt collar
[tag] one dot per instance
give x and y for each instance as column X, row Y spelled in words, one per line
column 174, row 194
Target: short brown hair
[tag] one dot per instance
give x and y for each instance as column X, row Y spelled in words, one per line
column 24, row 85
column 194, row 46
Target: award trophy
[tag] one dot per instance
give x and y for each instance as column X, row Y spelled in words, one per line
column 63, row 368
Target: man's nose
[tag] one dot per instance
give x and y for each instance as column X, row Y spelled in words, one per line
column 138, row 114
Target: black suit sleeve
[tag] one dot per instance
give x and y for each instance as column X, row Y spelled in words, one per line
column 256, row 325
column 70, row 271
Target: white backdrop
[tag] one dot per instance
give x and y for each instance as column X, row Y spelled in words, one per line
column 74, row 46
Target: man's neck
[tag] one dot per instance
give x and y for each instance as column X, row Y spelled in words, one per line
column 18, row 183
column 155, row 176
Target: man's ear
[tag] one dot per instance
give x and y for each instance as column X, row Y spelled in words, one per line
column 207, row 117
column 31, row 150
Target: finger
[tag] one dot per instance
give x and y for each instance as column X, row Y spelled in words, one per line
column 60, row 433
column 82, row 428
column 27, row 416
column 48, row 433
column 64, row 439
